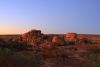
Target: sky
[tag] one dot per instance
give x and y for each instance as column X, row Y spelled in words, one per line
column 50, row 16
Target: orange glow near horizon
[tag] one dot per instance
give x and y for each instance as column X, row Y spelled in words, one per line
column 10, row 30
column 17, row 30
column 4, row 29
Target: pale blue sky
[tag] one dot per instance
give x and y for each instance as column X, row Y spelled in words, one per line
column 50, row 16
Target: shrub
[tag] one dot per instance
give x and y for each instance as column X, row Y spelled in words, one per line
column 5, row 51
column 70, row 43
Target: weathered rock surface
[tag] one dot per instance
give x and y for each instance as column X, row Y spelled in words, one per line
column 71, row 36
column 32, row 37
column 57, row 40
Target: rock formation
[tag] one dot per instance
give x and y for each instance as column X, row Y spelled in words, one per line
column 71, row 37
column 57, row 40
column 84, row 40
column 32, row 37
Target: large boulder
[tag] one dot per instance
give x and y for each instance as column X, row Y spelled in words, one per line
column 71, row 37
column 32, row 37
column 57, row 40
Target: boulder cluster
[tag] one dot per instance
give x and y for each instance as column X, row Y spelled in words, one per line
column 46, row 44
column 32, row 37
column 36, row 37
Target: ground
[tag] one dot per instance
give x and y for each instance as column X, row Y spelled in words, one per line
column 85, row 55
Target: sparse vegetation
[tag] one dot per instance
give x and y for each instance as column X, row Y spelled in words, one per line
column 27, row 59
column 23, row 59
column 93, row 56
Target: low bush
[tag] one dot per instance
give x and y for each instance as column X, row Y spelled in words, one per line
column 21, row 58
column 5, row 51
column 70, row 43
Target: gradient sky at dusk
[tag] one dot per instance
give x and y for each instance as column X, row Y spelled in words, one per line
column 50, row 16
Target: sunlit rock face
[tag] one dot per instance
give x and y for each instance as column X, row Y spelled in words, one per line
column 57, row 40
column 71, row 37
column 32, row 37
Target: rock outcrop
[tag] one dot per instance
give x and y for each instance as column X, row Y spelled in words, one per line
column 71, row 37
column 57, row 40
column 84, row 40
column 32, row 37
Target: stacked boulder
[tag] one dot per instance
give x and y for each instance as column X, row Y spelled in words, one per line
column 32, row 37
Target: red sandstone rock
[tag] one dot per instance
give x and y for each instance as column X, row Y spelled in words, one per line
column 71, row 37
column 32, row 37
column 56, row 40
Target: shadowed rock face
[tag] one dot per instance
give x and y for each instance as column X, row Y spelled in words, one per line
column 84, row 40
column 32, row 37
